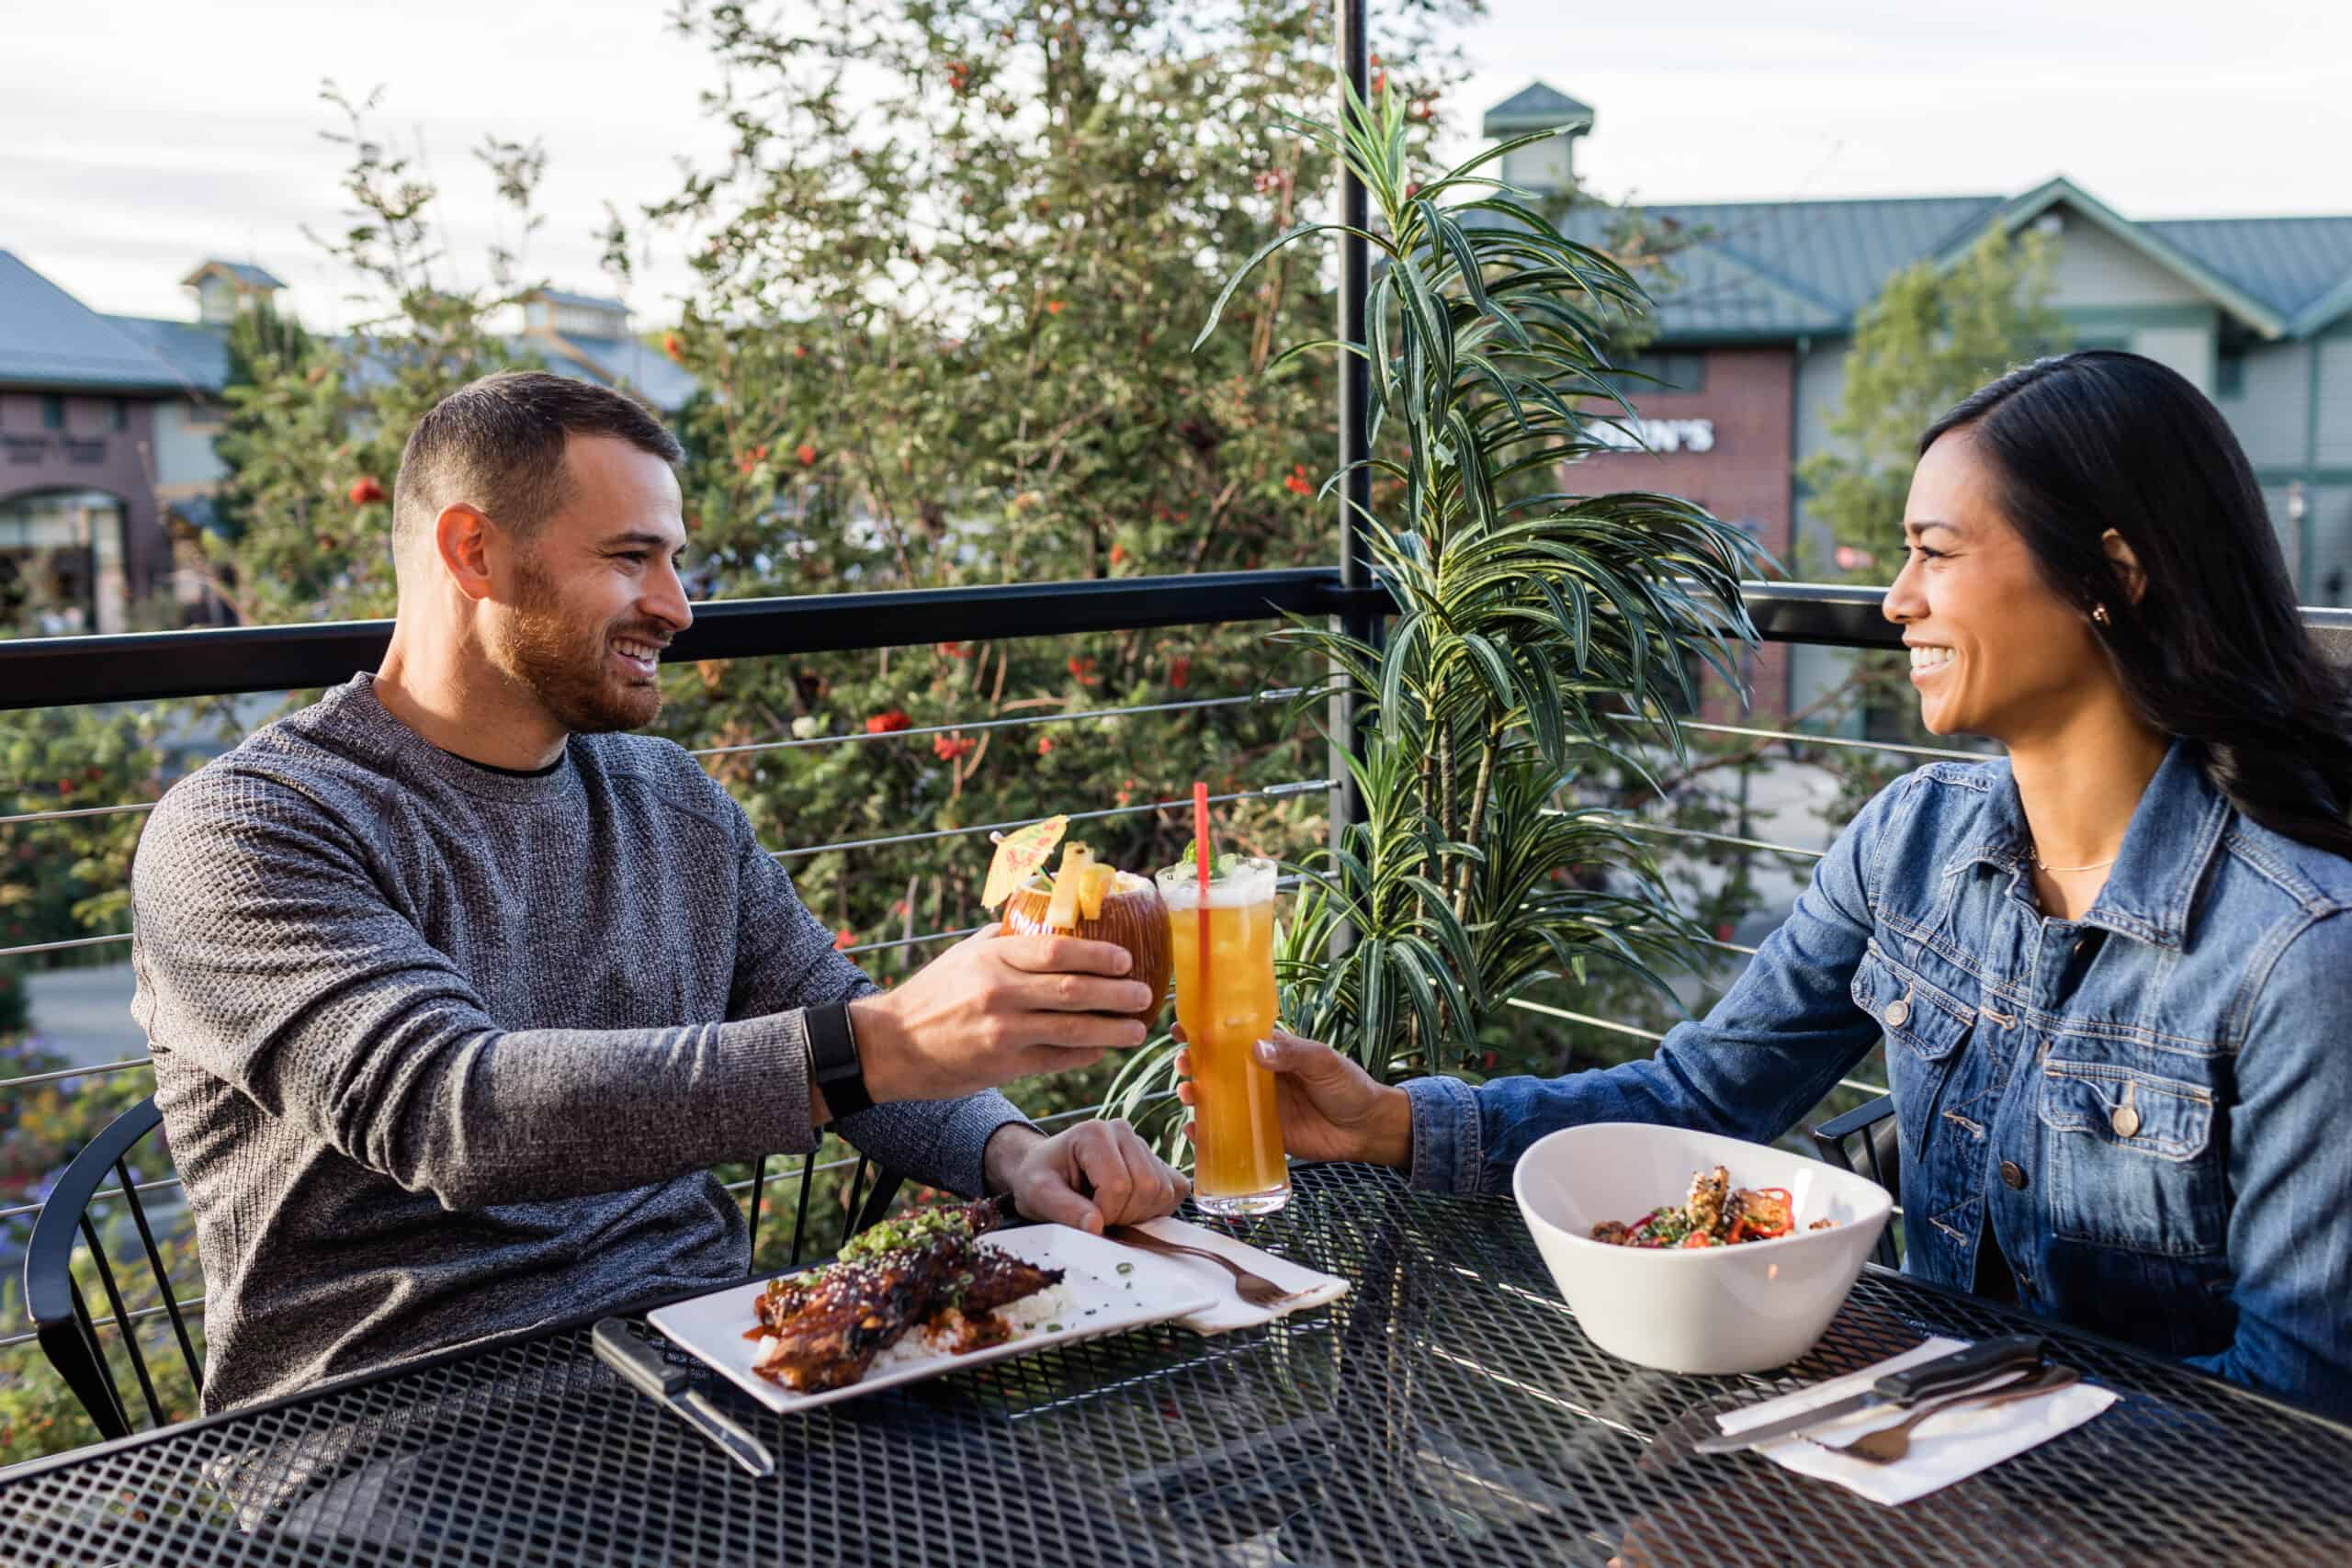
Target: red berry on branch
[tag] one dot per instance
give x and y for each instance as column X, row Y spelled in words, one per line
column 1052, row 307
column 670, row 344
column 1045, row 745
column 889, row 721
column 805, row 453
column 1118, row 555
column 844, row 939
column 1180, row 671
column 364, row 490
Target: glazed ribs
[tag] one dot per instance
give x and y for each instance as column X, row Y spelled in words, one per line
column 822, row 1329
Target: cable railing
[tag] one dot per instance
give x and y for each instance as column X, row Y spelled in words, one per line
column 1272, row 792
column 66, row 672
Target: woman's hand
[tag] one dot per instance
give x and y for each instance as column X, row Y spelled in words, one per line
column 1331, row 1109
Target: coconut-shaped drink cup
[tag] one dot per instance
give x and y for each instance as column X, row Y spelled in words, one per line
column 1087, row 899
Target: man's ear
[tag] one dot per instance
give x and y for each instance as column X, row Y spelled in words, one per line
column 2127, row 565
column 461, row 539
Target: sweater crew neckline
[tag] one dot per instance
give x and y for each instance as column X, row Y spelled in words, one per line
column 409, row 752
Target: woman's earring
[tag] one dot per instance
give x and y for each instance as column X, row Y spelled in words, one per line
column 2098, row 614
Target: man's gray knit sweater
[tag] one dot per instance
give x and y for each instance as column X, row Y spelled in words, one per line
column 444, row 1052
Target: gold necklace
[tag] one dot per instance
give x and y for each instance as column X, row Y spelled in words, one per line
column 2041, row 865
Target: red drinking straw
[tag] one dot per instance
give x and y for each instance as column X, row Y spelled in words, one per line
column 1201, row 856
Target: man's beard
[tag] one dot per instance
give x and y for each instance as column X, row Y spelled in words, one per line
column 565, row 665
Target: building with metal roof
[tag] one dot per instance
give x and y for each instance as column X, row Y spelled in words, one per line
column 1756, row 311
column 108, row 425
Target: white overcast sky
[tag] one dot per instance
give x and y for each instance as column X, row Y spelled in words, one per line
column 139, row 136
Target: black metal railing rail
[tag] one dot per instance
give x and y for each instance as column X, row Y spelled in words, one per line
column 222, row 661
column 70, row 671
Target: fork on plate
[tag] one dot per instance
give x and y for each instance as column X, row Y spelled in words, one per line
column 1256, row 1288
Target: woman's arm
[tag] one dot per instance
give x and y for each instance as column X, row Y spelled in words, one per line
column 1764, row 1055
column 2291, row 1190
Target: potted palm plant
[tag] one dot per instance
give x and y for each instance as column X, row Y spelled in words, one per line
column 1536, row 634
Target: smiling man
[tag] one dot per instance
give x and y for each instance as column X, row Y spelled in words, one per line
column 457, row 993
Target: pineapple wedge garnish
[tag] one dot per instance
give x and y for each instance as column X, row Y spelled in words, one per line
column 1095, row 888
column 1069, row 887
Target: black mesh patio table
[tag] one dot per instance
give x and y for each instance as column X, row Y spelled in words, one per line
column 1446, row 1411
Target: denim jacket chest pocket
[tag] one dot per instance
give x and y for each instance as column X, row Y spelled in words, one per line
column 2132, row 1158
column 1925, row 1026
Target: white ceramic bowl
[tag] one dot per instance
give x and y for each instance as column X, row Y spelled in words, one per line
column 1714, row 1309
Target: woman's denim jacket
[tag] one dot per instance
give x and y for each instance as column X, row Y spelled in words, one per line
column 2149, row 1107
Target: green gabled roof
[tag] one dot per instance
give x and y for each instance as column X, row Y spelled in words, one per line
column 1782, row 269
column 2059, row 191
column 2301, row 267
column 1786, row 269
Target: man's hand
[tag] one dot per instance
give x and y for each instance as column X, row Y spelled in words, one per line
column 995, row 1008
column 1330, row 1108
column 1096, row 1174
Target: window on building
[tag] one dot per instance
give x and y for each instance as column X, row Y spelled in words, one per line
column 53, row 412
column 119, row 413
column 2229, row 371
column 1671, row 372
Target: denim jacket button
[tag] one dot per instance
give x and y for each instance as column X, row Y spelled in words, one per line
column 1898, row 1013
column 2013, row 1175
column 2126, row 1122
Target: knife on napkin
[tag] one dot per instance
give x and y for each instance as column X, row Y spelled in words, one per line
column 1980, row 1362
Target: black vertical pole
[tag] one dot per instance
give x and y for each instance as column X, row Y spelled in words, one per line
column 1355, row 407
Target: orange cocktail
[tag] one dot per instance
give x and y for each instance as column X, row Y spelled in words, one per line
column 1239, row 1167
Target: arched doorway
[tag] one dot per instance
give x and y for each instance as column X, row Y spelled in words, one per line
column 61, row 564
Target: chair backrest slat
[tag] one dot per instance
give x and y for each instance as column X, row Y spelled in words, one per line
column 1874, row 1124
column 163, row 1274
column 759, row 1202
column 849, row 1210
column 90, row 1375
column 128, row 1329
column 886, row 1183
column 801, row 1213
column 54, row 1298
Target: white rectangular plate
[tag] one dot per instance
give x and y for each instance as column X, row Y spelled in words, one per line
column 1094, row 1298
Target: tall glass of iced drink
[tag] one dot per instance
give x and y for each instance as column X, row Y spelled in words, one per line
column 1226, row 1009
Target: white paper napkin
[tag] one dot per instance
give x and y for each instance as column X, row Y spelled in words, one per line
column 1954, row 1445
column 1231, row 1311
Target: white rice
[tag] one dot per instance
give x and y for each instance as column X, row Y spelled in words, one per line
column 1053, row 1305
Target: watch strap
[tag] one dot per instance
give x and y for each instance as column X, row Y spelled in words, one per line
column 833, row 1060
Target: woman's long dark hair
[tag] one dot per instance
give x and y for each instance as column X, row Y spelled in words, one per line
column 2214, row 652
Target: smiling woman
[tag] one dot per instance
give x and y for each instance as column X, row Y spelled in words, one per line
column 2109, row 967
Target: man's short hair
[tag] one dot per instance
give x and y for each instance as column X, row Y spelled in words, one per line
column 497, row 445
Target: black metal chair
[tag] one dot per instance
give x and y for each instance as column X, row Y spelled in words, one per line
column 1871, row 1127
column 855, row 1216
column 61, row 1313
column 53, row 1296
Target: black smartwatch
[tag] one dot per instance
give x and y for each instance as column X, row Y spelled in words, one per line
column 832, row 1060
